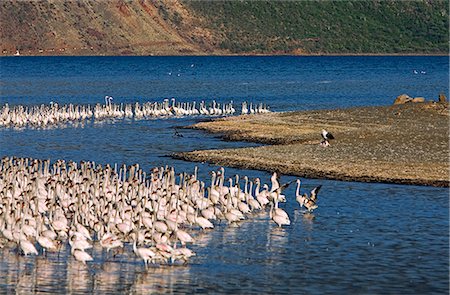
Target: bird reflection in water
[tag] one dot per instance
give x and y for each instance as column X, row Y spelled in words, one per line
column 202, row 239
column 11, row 268
column 108, row 275
column 231, row 232
column 46, row 269
column 277, row 237
column 308, row 217
column 304, row 216
column 161, row 279
column 26, row 280
column 79, row 280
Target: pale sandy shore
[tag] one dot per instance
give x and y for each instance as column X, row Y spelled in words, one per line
column 407, row 144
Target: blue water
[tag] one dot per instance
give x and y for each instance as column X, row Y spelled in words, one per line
column 364, row 238
column 286, row 83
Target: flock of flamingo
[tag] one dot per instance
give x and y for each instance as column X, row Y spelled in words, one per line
column 44, row 204
column 45, row 116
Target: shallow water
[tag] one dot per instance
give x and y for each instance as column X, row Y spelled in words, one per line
column 364, row 237
column 373, row 238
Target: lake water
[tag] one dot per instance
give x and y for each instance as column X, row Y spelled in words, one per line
column 364, row 238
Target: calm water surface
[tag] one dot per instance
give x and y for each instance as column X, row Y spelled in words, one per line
column 364, row 238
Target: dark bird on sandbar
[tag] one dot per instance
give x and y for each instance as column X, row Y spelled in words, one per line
column 326, row 136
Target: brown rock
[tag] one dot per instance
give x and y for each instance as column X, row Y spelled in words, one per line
column 401, row 99
column 442, row 97
column 418, row 99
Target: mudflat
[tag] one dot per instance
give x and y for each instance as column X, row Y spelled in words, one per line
column 406, row 144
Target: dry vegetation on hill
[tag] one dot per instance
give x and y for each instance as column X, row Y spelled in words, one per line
column 175, row 27
column 87, row 27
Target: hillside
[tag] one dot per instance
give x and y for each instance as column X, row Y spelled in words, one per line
column 326, row 26
column 87, row 27
column 168, row 27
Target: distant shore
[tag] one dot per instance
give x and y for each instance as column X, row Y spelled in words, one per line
column 405, row 144
column 87, row 53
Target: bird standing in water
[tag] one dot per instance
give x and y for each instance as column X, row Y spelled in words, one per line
column 310, row 202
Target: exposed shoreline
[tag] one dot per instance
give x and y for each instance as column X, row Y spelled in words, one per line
column 235, row 54
column 404, row 144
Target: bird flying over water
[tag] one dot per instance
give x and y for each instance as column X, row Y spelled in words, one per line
column 176, row 133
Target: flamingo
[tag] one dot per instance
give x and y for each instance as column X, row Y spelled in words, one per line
column 145, row 253
column 110, row 241
column 278, row 215
column 89, row 202
column 279, row 218
column 45, row 242
column 298, row 197
column 27, row 247
column 81, row 256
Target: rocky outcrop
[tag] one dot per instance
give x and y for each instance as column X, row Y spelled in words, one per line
column 418, row 99
column 405, row 98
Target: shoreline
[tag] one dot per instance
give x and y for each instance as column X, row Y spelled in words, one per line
column 200, row 54
column 306, row 173
column 403, row 144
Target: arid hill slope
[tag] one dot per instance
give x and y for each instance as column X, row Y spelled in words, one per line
column 177, row 27
column 87, row 27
